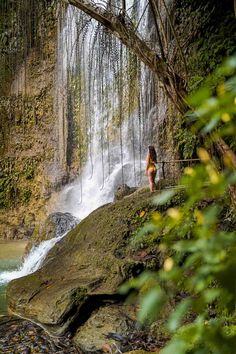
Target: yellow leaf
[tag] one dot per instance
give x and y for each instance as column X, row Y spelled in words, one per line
column 225, row 117
column 156, row 216
column 228, row 160
column 199, row 216
column 168, row 264
column 174, row 213
column 220, row 90
column 213, row 175
column 203, row 155
column 189, row 171
column 142, row 213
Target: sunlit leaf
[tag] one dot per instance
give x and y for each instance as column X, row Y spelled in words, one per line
column 142, row 213
column 211, row 295
column 199, row 96
column 151, row 305
column 211, row 125
column 138, row 282
column 175, row 347
column 176, row 317
column 164, row 197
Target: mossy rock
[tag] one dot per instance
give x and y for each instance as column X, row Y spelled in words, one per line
column 96, row 257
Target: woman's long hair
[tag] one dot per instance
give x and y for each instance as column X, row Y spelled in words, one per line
column 152, row 153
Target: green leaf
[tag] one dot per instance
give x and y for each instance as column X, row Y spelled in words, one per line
column 176, row 317
column 148, row 227
column 183, row 246
column 202, row 351
column 211, row 213
column 163, row 197
column 138, row 282
column 198, row 97
column 175, row 347
column 232, row 178
column 192, row 332
column 211, row 125
column 229, row 66
column 211, row 295
column 151, row 305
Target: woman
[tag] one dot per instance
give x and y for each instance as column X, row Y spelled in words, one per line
column 151, row 169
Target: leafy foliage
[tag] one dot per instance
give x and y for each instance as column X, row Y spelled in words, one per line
column 198, row 273
column 187, row 142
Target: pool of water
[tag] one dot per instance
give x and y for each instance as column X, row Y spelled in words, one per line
column 11, row 253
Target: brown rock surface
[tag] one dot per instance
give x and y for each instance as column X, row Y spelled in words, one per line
column 85, row 267
column 92, row 336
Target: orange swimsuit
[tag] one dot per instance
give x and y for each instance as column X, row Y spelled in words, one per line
column 151, row 166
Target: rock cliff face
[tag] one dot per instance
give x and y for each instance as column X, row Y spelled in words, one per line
column 77, row 285
column 31, row 161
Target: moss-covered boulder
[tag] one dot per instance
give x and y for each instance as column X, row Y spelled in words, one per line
column 85, row 267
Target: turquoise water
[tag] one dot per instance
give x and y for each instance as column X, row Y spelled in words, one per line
column 11, row 253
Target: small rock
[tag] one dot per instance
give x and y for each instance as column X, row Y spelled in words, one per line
column 25, row 351
column 123, row 190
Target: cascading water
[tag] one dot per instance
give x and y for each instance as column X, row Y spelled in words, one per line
column 62, row 224
column 32, row 262
column 113, row 102
column 104, row 84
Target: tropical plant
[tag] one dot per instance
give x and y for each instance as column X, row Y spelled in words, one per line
column 198, row 237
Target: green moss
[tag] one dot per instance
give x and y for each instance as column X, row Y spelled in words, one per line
column 80, row 295
column 25, row 195
column 17, row 181
column 230, row 331
column 208, row 31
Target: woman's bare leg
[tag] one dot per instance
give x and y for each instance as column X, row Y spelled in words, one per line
column 151, row 178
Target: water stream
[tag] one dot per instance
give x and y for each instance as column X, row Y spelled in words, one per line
column 22, row 266
column 117, row 126
column 11, row 253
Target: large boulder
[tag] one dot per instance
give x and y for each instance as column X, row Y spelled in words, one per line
column 55, row 225
column 85, row 267
column 93, row 335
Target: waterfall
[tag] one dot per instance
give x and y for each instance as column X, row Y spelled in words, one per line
column 110, row 88
column 98, row 189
